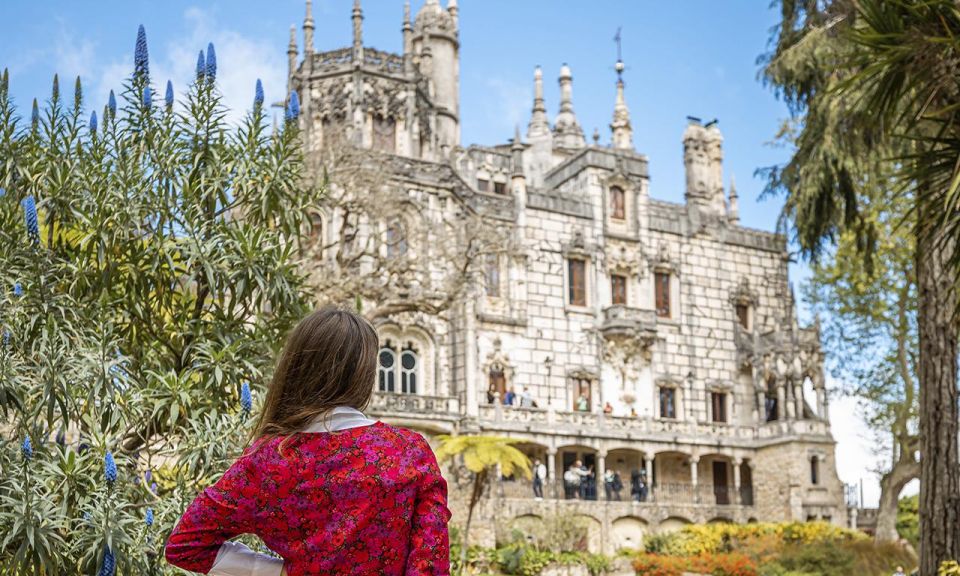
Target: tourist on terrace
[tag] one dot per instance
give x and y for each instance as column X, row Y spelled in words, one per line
column 526, row 398
column 612, row 484
column 327, row 489
column 539, row 477
column 510, row 397
column 583, row 405
column 608, row 409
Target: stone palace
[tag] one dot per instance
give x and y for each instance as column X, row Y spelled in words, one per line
column 656, row 339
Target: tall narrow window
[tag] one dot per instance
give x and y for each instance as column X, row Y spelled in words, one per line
column 388, row 363
column 396, row 239
column 618, row 289
column 618, row 208
column 498, row 383
column 743, row 316
column 483, row 185
column 408, row 372
column 815, row 471
column 384, row 134
column 500, row 188
column 668, row 402
column 582, row 394
column 492, row 275
column 661, row 286
column 578, row 284
column 718, row 401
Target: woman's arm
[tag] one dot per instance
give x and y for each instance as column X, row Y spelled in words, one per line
column 224, row 510
column 429, row 541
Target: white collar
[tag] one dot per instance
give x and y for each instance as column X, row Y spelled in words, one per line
column 340, row 418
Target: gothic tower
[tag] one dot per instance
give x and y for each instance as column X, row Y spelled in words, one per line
column 436, row 40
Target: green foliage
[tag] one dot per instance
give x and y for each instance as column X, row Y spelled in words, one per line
column 949, row 568
column 165, row 274
column 908, row 519
column 481, row 453
column 698, row 539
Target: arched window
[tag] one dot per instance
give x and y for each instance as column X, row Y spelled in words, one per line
column 618, row 208
column 396, row 239
column 408, row 372
column 388, row 362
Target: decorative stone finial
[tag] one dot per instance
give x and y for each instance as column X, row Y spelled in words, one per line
column 567, row 130
column 539, row 125
column 308, row 29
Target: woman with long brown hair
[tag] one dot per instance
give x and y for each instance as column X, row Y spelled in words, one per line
column 327, row 489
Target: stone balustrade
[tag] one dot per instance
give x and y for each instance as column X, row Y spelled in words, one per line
column 406, row 404
column 673, row 493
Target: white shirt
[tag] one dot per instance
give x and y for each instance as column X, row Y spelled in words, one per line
column 235, row 559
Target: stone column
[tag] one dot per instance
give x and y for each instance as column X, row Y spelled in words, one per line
column 694, row 480
column 737, row 462
column 798, row 397
column 470, row 362
column 821, row 403
column 760, row 412
column 552, row 471
column 781, row 401
column 599, row 472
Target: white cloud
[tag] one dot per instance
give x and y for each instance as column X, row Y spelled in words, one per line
column 508, row 106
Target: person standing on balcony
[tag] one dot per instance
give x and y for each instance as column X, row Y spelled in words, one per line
column 510, row 397
column 539, row 477
column 526, row 399
column 608, row 409
column 583, row 405
column 612, row 485
column 327, row 489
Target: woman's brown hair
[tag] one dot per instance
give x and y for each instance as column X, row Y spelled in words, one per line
column 329, row 360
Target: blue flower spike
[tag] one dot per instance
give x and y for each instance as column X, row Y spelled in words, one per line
column 77, row 93
column 55, row 93
column 26, row 448
column 141, row 57
column 93, row 124
column 246, row 399
column 112, row 104
column 17, row 289
column 211, row 63
column 109, row 565
column 293, row 107
column 30, row 217
column 258, row 95
column 149, row 517
column 147, row 98
column 201, row 66
column 168, row 96
column 34, row 114
column 110, row 469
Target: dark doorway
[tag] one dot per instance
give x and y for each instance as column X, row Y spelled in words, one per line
column 720, row 487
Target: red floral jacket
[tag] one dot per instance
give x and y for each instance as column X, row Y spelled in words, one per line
column 366, row 500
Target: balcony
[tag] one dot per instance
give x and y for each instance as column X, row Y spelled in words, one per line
column 436, row 413
column 621, row 321
column 669, row 494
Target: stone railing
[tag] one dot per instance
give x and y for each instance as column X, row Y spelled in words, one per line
column 619, row 319
column 574, row 422
column 385, row 402
column 668, row 493
column 383, row 61
column 332, row 60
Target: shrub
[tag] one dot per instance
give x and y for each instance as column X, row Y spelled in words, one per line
column 718, row 538
column 733, row 564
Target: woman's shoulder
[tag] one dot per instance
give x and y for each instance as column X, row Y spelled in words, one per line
column 403, row 436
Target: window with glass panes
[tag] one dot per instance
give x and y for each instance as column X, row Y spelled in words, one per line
column 718, row 401
column 618, row 208
column 668, row 402
column 618, row 289
column 577, row 291
column 397, row 372
column 661, row 288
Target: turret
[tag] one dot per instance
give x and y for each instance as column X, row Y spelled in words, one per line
column 308, row 32
column 620, row 127
column 733, row 207
column 539, row 127
column 566, row 129
column 436, row 28
column 291, row 57
column 702, row 159
column 407, row 39
column 357, row 33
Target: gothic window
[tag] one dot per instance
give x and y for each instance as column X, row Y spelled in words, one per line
column 483, row 185
column 661, row 286
column 408, row 371
column 388, row 361
column 384, row 134
column 492, row 275
column 617, row 203
column 743, row 315
column 398, row 376
column 582, row 397
column 668, row 402
column 577, row 289
column 718, row 405
column 500, row 188
column 618, row 289
column 396, row 239
column 815, row 471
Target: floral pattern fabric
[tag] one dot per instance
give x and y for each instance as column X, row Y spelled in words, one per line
column 366, row 500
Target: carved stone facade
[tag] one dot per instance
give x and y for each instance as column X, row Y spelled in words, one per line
column 658, row 340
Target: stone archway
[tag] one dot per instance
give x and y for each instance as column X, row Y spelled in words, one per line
column 672, row 524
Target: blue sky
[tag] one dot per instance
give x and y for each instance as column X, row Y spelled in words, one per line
column 691, row 57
